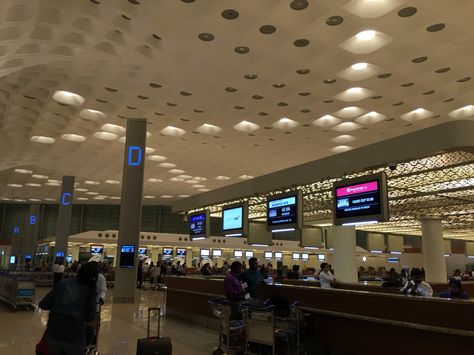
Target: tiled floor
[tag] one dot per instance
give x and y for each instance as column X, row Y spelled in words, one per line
column 122, row 325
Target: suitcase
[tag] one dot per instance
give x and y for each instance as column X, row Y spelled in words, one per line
column 154, row 345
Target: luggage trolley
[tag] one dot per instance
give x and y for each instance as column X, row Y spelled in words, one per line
column 231, row 332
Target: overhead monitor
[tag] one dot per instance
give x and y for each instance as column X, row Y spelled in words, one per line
column 321, row 257
column 285, row 212
column 181, row 252
column 199, row 225
column 249, row 254
column 205, row 253
column 235, row 220
column 361, row 200
column 278, row 255
column 28, row 257
column 12, row 259
column 167, row 253
column 60, row 254
column 97, row 249
column 69, row 259
column 142, row 251
column 393, row 260
column 304, row 256
column 238, row 253
column 216, row 253
column 127, row 256
column 295, row 256
column 268, row 255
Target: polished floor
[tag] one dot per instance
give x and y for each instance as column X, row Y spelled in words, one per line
column 122, row 325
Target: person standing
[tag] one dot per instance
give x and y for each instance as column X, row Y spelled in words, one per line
column 71, row 304
column 140, row 274
column 58, row 272
column 326, row 278
column 253, row 278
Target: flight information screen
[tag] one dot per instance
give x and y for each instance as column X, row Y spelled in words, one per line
column 358, row 200
column 282, row 211
column 232, row 218
column 197, row 225
column 127, row 256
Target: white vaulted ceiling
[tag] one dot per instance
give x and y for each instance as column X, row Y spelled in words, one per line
column 231, row 89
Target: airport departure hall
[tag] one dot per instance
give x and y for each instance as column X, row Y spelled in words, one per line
column 236, row 177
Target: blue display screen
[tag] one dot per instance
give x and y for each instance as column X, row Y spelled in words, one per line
column 127, row 249
column 232, row 218
column 197, row 225
column 127, row 256
column 60, row 254
column 282, row 211
column 181, row 253
column 142, row 251
column 28, row 257
column 97, row 249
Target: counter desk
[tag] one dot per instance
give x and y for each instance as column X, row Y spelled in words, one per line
column 349, row 321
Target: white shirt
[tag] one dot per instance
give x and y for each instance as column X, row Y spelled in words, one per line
column 325, row 279
column 101, row 287
column 58, row 268
column 422, row 289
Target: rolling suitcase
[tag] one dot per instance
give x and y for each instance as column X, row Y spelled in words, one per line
column 154, row 345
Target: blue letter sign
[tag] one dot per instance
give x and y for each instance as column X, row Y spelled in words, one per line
column 66, row 199
column 32, row 219
column 134, row 159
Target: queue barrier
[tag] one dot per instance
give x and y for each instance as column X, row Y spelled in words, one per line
column 17, row 290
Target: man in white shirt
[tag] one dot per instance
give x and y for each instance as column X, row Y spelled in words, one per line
column 416, row 286
column 58, row 271
column 326, row 278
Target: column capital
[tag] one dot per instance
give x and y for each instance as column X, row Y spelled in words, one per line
column 427, row 218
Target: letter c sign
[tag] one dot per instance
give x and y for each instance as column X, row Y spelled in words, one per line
column 66, row 199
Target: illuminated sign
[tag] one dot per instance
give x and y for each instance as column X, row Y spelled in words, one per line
column 66, row 199
column 199, row 225
column 135, row 154
column 284, row 212
column 32, row 219
column 16, row 230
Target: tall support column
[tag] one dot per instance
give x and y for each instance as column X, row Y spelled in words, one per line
column 130, row 209
column 344, row 262
column 433, row 249
column 63, row 224
column 31, row 232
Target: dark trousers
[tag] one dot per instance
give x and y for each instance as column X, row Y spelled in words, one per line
column 57, row 277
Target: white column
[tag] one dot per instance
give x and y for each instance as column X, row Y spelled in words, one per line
column 433, row 249
column 344, row 261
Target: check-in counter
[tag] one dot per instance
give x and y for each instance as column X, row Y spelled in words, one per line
column 350, row 321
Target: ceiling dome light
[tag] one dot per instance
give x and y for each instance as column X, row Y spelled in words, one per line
column 416, row 115
column 463, row 112
column 153, row 180
column 82, row 198
column 68, row 98
column 285, row 123
column 176, row 171
column 343, row 139
column 92, row 193
column 200, row 178
column 176, row 179
column 245, row 177
column 37, row 176
column 198, row 186
column 354, row 90
column 173, row 131
column 14, row 185
column 113, row 128
column 23, row 171
column 167, row 165
column 156, row 158
column 92, row 115
column 166, row 196
column 341, row 148
column 246, row 126
column 192, row 181
column 52, row 183
column 80, row 189
column 222, row 178
column 149, row 197
column 114, row 198
column 203, row 190
column 149, row 150
column 91, row 182
column 112, row 182
column 43, row 139
column 359, row 66
column 346, row 127
column 326, row 121
column 185, row 177
column 366, row 35
column 183, row 196
column 73, row 138
column 106, row 136
column 32, row 184
column 208, row 129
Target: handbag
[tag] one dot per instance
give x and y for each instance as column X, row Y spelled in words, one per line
column 42, row 346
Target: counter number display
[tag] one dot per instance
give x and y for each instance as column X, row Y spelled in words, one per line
column 199, row 225
column 284, row 212
column 127, row 256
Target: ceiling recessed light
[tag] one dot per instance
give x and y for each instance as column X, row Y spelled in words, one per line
column 463, row 112
column 334, row 20
column 92, row 115
column 230, row 14
column 192, row 181
column 346, row 127
column 106, row 136
column 327, row 121
column 166, row 196
column 407, row 11
column 222, row 178
column 19, row 200
column 156, row 158
column 203, row 190
column 80, row 189
column 34, row 199
column 32, row 184
column 267, row 29
column 23, row 171
column 185, row 177
column 173, row 131
column 416, row 115
column 42, row 177
column 50, row 199
column 148, row 196
column 435, row 28
column 206, row 36
column 341, row 148
column 68, row 98
column 52, row 183
column 241, row 49
column 245, row 177
column 167, row 165
column 366, row 35
column 350, row 112
column 176, row 179
column 176, row 171
column 343, row 139
column 43, row 139
column 198, row 186
column 91, row 182
column 112, row 182
column 370, row 118
column 14, row 185
column 299, row 4
column 285, row 123
column 153, row 180
column 208, row 129
column 114, row 197
column 82, row 198
column 359, row 66
column 246, row 126
column 113, row 128
column 149, row 150
column 183, row 196
column 92, row 193
column 73, row 138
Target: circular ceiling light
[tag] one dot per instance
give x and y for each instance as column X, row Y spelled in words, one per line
column 303, row 71
column 230, row 89
column 299, row 4
column 43, row 139
column 366, row 35
column 155, row 181
column 222, row 178
column 230, row 14
column 73, row 138
column 92, row 115
column 206, row 36
column 419, row 59
column 166, row 196
column 241, row 50
column 302, row 42
column 167, row 165
column 68, row 98
column 407, row 11
column 14, row 185
column 267, row 29
column 436, row 27
column 23, row 171
column 106, row 136
column 112, row 182
column 250, row 76
column 334, row 20
column 329, row 81
column 113, row 128
column 32, row 184
column 359, row 66
column 384, row 75
column 156, row 158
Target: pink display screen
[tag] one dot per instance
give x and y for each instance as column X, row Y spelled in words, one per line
column 357, row 189
column 358, row 200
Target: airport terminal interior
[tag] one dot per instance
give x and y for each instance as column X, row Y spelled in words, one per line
column 236, row 177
